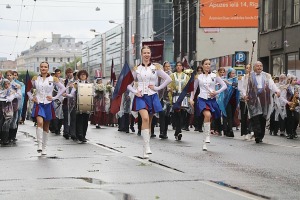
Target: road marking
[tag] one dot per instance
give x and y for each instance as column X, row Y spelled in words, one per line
column 240, row 193
column 156, row 164
column 103, row 146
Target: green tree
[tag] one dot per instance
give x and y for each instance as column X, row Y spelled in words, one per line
column 71, row 65
column 22, row 75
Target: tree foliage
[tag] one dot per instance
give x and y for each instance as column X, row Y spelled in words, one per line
column 22, row 75
column 71, row 65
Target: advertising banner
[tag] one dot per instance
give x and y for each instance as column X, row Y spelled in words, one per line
column 226, row 14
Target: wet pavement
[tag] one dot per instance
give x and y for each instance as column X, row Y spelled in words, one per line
column 109, row 166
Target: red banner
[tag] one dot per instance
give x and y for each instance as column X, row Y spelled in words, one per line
column 157, row 50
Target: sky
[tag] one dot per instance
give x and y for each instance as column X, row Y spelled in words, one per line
column 29, row 21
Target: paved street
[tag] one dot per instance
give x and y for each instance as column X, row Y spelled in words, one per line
column 109, row 167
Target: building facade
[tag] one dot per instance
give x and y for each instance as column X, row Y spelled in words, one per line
column 222, row 41
column 185, row 29
column 7, row 64
column 147, row 21
column 58, row 52
column 99, row 53
column 279, row 28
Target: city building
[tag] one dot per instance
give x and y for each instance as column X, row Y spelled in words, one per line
column 148, row 21
column 98, row 53
column 185, row 29
column 58, row 52
column 279, row 29
column 7, row 64
column 226, row 32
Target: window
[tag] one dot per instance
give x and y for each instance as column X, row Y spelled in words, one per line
column 277, row 15
column 293, row 64
column 46, row 59
column 266, row 15
column 296, row 10
column 53, row 59
column 277, row 63
column 37, row 69
column 37, row 59
column 68, row 59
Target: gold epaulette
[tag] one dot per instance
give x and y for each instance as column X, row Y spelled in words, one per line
column 240, row 77
column 196, row 76
column 158, row 66
column 55, row 79
column 134, row 68
column 34, row 78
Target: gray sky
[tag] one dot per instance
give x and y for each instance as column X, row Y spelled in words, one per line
column 41, row 17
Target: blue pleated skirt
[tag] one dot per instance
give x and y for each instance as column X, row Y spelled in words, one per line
column 150, row 103
column 208, row 104
column 43, row 110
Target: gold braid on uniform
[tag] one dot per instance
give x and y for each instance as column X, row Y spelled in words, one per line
column 157, row 66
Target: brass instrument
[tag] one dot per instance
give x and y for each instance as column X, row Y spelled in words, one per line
column 295, row 101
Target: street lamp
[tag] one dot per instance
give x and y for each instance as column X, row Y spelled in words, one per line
column 121, row 52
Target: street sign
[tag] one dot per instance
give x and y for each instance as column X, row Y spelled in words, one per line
column 239, row 70
column 240, row 57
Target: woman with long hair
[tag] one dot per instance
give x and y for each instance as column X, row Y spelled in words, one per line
column 179, row 80
column 146, row 100
column 43, row 110
column 206, row 102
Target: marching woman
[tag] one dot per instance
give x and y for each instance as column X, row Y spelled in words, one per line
column 206, row 102
column 16, row 103
column 43, row 110
column 179, row 80
column 7, row 113
column 290, row 96
column 228, row 102
column 146, row 100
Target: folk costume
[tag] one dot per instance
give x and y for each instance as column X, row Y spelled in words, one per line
column 260, row 101
column 69, row 110
column 291, row 94
column 228, row 101
column 9, row 98
column 179, row 80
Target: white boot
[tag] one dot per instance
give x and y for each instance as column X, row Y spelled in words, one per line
column 204, row 148
column 247, row 137
column 44, row 146
column 146, row 147
column 206, row 132
column 39, row 133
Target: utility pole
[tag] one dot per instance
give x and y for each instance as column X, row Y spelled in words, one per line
column 121, row 57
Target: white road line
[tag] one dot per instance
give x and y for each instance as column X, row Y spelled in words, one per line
column 240, row 193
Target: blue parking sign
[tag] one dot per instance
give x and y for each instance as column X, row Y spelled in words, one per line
column 240, row 57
